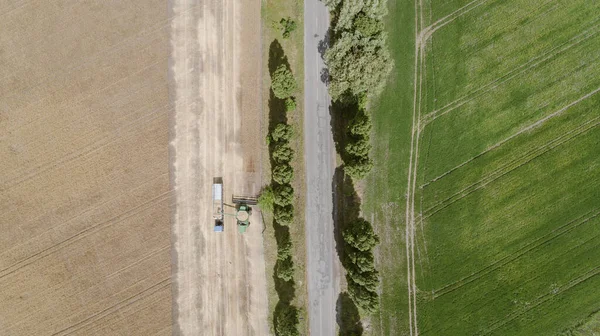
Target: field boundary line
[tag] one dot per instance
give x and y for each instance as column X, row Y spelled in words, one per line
column 521, row 131
column 557, row 232
column 412, row 169
column 410, row 166
column 510, row 166
column 531, row 64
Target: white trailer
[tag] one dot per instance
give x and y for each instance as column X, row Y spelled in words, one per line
column 217, row 196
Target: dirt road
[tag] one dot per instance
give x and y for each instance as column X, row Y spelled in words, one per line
column 215, row 68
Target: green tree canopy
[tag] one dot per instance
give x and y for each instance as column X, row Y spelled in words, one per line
column 358, row 64
column 283, row 215
column 369, row 280
column 360, row 235
column 286, row 320
column 285, row 268
column 283, row 82
column 363, row 297
column 290, row 104
column 265, row 200
column 282, row 152
column 283, row 173
column 360, row 124
column 360, row 147
column 283, row 194
column 284, row 246
column 363, row 260
column 367, row 26
column 358, row 167
column 282, row 132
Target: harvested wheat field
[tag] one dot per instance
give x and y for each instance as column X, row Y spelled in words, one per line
column 85, row 196
column 220, row 276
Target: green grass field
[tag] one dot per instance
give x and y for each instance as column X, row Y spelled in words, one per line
column 293, row 47
column 507, row 198
column 391, row 134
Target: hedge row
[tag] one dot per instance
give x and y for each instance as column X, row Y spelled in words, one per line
column 359, row 262
column 279, row 197
column 359, row 63
column 357, row 161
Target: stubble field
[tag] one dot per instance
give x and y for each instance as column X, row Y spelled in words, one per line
column 503, row 219
column 84, row 170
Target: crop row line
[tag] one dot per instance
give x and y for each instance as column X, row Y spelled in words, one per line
column 511, row 166
column 422, row 34
column 84, row 233
column 95, row 146
column 521, row 131
column 157, row 287
column 70, row 68
column 523, row 68
column 557, row 232
column 540, row 300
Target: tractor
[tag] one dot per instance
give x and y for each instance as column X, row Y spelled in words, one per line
column 243, row 211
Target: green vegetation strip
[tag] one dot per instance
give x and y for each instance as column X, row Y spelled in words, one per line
column 283, row 198
column 279, row 196
column 359, row 62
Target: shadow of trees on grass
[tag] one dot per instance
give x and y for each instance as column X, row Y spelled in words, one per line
column 346, row 210
column 347, row 316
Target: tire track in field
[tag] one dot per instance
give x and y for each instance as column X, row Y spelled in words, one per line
column 557, row 232
column 540, row 300
column 72, row 68
column 161, row 285
column 521, row 131
column 82, row 234
column 511, row 166
column 69, row 220
column 143, row 258
column 105, row 140
column 412, row 170
column 523, row 68
column 429, row 30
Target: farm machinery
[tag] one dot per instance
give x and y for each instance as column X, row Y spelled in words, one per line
column 242, row 209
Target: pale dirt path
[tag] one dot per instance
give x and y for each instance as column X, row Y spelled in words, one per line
column 421, row 36
column 220, row 278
